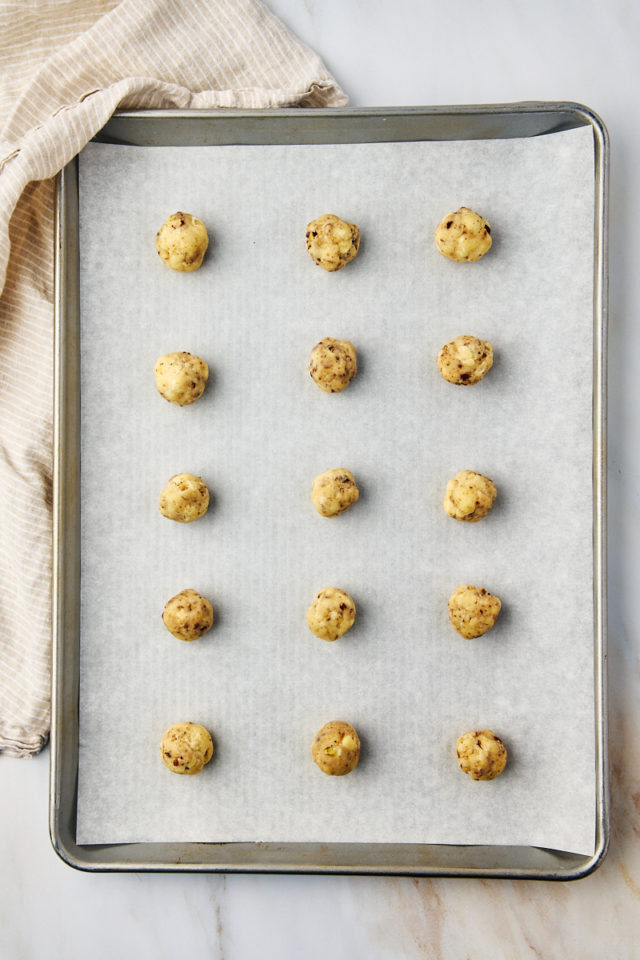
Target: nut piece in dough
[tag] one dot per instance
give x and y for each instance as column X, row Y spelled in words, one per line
column 469, row 496
column 186, row 748
column 465, row 360
column 182, row 242
column 185, row 498
column 188, row 615
column 481, row 754
column 333, row 364
column 181, row 377
column 332, row 242
column 334, row 491
column 463, row 235
column 473, row 611
column 331, row 614
column 336, row 748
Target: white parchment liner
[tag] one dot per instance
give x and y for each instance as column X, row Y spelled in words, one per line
column 260, row 681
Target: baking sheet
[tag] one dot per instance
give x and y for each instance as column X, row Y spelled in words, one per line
column 260, row 681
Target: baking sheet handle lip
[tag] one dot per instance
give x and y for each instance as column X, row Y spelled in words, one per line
column 569, row 115
column 601, row 321
column 61, row 848
column 589, row 116
column 57, row 600
column 76, row 862
column 54, row 739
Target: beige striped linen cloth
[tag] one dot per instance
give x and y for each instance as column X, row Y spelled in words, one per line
column 65, row 66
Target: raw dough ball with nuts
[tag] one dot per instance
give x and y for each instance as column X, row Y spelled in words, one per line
column 481, row 754
column 463, row 235
column 473, row 611
column 186, row 748
column 331, row 614
column 182, row 242
column 336, row 748
column 188, row 615
column 181, row 377
column 333, row 364
column 465, row 360
column 333, row 492
column 185, row 498
column 469, row 496
column 332, row 242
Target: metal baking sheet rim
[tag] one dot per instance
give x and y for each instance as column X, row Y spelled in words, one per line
column 301, row 125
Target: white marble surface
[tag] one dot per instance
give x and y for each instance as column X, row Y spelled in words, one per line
column 395, row 52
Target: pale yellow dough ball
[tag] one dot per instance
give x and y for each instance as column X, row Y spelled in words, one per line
column 181, row 377
column 186, row 748
column 332, row 242
column 481, row 754
column 336, row 748
column 188, row 615
column 334, row 491
column 463, row 235
column 469, row 496
column 473, row 611
column 182, row 242
column 333, row 364
column 331, row 614
column 465, row 360
column 184, row 499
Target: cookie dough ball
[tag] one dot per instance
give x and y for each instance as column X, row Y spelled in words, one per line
column 181, row 377
column 331, row 614
column 182, row 242
column 336, row 748
column 334, row 491
column 465, row 360
column 463, row 235
column 332, row 242
column 185, row 498
column 188, row 616
column 186, row 748
column 333, row 364
column 481, row 754
column 473, row 611
column 469, row 496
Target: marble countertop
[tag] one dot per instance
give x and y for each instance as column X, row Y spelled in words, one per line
column 387, row 53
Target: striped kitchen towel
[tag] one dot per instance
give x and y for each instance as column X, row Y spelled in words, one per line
column 65, row 66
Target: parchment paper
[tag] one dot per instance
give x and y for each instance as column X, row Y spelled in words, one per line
column 260, row 681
